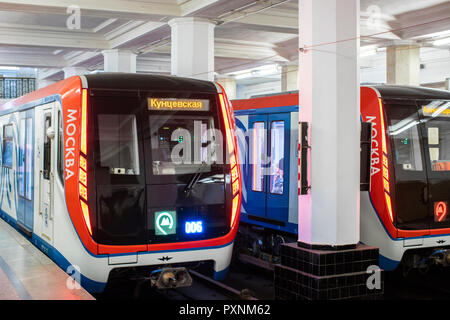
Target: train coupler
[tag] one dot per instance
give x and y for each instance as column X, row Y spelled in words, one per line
column 441, row 257
column 169, row 278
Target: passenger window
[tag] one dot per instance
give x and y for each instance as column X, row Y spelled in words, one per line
column 24, row 170
column 119, row 143
column 277, row 157
column 60, row 148
column 21, row 160
column 47, row 148
column 258, row 153
column 29, row 159
column 8, row 146
column 437, row 117
column 404, row 133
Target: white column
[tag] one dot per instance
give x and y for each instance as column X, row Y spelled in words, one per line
column 118, row 60
column 403, row 65
column 329, row 99
column 289, row 78
column 229, row 84
column 74, row 71
column 193, row 48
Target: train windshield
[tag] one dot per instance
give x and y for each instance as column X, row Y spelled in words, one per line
column 160, row 168
column 404, row 133
column 180, row 144
column 419, row 132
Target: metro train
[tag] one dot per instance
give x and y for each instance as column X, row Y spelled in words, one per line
column 405, row 210
column 107, row 172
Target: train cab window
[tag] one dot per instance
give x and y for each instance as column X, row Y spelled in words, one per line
column 258, row 153
column 180, row 144
column 8, row 146
column 119, row 143
column 47, row 148
column 60, row 148
column 277, row 157
column 437, row 120
column 404, row 133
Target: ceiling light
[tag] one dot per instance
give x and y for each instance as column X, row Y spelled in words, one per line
column 368, row 53
column 441, row 42
column 434, row 34
column 262, row 71
column 8, row 68
column 243, row 76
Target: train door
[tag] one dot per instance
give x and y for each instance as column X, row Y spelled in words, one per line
column 268, row 195
column 46, row 172
column 436, row 132
column 25, row 213
column 411, row 200
column 256, row 192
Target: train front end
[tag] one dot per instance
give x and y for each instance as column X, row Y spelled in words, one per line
column 405, row 213
column 156, row 182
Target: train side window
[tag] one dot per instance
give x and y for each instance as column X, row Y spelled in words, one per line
column 404, row 133
column 60, row 148
column 29, row 159
column 8, row 146
column 119, row 143
column 277, row 157
column 258, row 152
column 21, row 160
column 47, row 148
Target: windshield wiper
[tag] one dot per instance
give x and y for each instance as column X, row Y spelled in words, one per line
column 194, row 180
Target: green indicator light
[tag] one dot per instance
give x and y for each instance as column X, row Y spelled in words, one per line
column 180, row 139
column 165, row 223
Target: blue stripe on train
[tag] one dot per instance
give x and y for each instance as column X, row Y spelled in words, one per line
column 88, row 284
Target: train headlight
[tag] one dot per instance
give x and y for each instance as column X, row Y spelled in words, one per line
column 233, row 156
column 82, row 174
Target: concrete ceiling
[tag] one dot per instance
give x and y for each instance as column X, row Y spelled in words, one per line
column 248, row 32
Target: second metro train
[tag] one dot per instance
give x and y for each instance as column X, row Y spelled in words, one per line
column 405, row 213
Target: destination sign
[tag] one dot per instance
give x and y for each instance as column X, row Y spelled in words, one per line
column 170, row 104
column 439, row 111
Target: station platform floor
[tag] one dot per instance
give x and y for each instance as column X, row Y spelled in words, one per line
column 28, row 274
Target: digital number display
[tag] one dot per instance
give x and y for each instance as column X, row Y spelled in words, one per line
column 192, row 227
column 169, row 104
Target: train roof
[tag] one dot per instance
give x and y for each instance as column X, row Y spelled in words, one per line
column 147, row 82
column 267, row 101
column 390, row 91
column 112, row 81
column 387, row 91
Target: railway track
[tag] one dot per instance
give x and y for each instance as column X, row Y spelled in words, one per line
column 430, row 286
column 205, row 288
